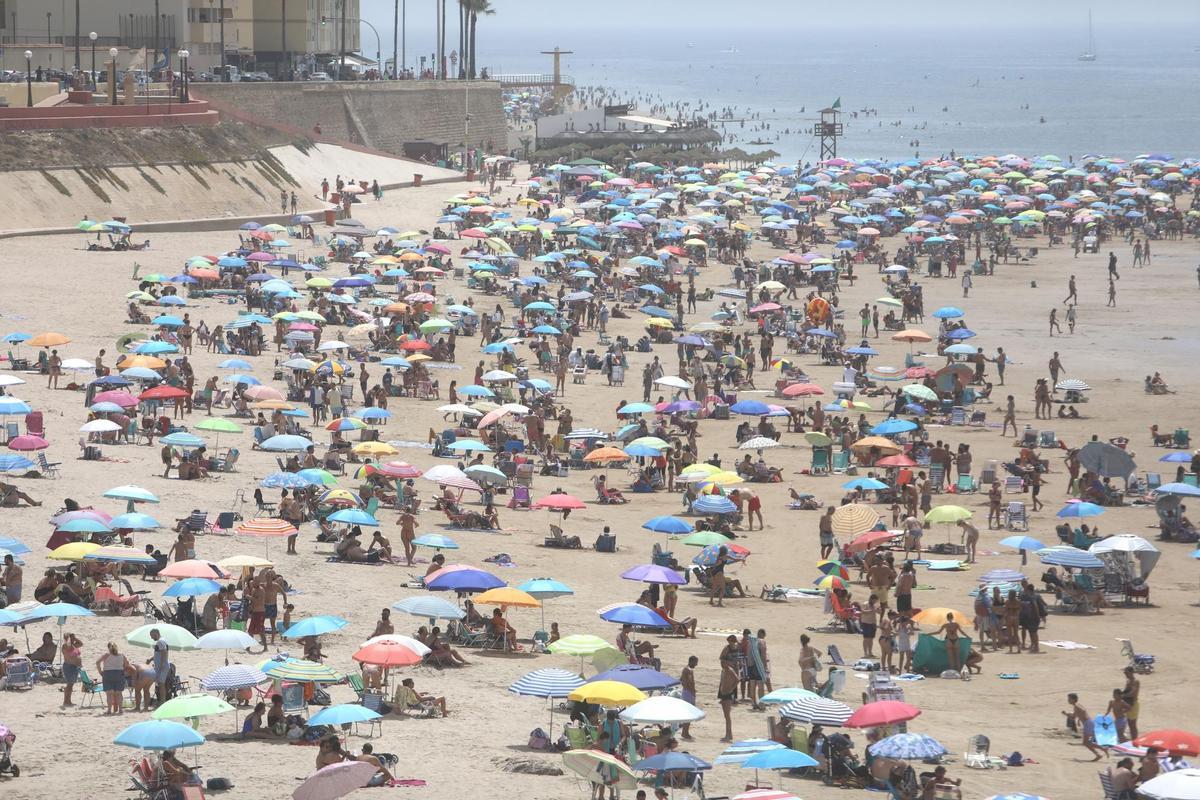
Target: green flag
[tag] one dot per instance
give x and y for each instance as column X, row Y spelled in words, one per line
column 837, row 103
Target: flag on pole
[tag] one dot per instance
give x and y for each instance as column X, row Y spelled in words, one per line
column 837, row 103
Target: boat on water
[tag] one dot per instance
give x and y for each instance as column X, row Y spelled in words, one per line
column 1090, row 53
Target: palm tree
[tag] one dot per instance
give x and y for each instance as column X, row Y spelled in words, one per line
column 475, row 8
column 462, row 39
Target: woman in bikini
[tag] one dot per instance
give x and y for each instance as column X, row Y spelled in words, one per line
column 887, row 641
column 953, row 631
column 868, row 620
column 716, row 575
column 727, row 690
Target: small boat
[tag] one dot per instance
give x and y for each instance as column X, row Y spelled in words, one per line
column 760, row 141
column 1090, row 53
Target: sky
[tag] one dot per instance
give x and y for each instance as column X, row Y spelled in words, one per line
column 572, row 23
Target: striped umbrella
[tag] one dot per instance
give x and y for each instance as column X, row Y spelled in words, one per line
column 297, row 669
column 912, row 746
column 1067, row 556
column 120, row 553
column 598, row 767
column 233, row 676
column 738, row 752
column 817, row 710
column 1016, row 796
column 284, row 480
column 549, row 682
column 266, row 526
column 766, row 794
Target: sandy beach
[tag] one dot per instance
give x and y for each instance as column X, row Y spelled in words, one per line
column 53, row 284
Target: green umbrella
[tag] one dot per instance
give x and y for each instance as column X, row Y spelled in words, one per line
column 192, row 705
column 948, row 514
column 218, row 425
column 920, row 392
column 705, row 538
column 436, row 325
column 176, row 637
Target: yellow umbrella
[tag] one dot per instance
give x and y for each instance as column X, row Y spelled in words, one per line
column 611, row 694
column 948, row 513
column 243, row 561
column 885, row 445
column 149, row 362
column 507, row 596
column 274, row 405
column 73, row 551
column 937, row 616
column 318, row 283
column 659, row 322
column 409, row 255
column 725, row 478
column 416, row 357
column 389, row 260
column 48, row 340
column 701, row 468
column 375, row 449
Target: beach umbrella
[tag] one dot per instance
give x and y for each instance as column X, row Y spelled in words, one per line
column 1133, row 545
column 817, row 711
column 1180, row 784
column 668, row 524
column 1016, row 796
column 653, row 573
column 671, row 760
column 1107, row 460
column 948, row 513
column 158, row 734
column 10, row 463
column 463, row 580
column 891, row 427
column 193, row 568
column 881, row 714
column 315, row 626
column 1068, row 556
column 233, row 676
column 353, row 516
column 559, row 502
column 578, row 644
column 431, row 608
column 1174, row 741
column 759, row 443
column 781, row 758
column 1183, row 489
column 72, row 551
column 286, row 443
column 713, row 504
column 640, row 676
column 226, row 639
column 786, row 695
column 27, row 443
column 60, row 610
column 634, row 614
column 937, row 616
column 335, row 780
column 907, row 746
column 865, row 483
column 548, row 683
column 738, row 752
column 1080, row 509
column 436, row 541
column 134, row 521
column 508, row 597
column 597, row 767
column 119, row 553
column 1022, row 543
column 188, row 706
column 297, row 669
column 192, row 587
column 611, row 694
column 177, row 638
column 343, row 714
column 853, row 519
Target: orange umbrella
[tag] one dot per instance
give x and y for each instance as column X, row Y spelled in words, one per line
column 911, row 335
column 266, row 526
column 802, row 390
column 507, row 596
column 273, row 405
column 48, row 340
column 603, row 455
column 149, row 362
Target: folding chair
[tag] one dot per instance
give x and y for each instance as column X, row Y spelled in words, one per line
column 1014, row 484
column 1047, row 439
column 965, row 484
column 374, row 702
column 520, row 498
column 1015, row 517
column 48, row 468
column 1153, row 481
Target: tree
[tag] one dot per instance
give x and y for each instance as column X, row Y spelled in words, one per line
column 475, row 8
column 462, row 39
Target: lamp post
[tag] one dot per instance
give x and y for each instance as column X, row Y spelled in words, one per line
column 49, row 38
column 112, row 75
column 93, row 36
column 183, row 68
column 29, row 78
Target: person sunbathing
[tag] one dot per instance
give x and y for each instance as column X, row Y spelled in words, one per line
column 382, row 776
column 501, row 628
column 685, row 628
column 442, row 653
column 407, row 697
column 11, row 496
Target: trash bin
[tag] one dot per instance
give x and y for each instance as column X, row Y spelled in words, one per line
column 417, row 178
column 330, row 216
column 336, row 198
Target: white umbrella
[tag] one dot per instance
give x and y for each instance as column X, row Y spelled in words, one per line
column 325, row 347
column 1132, row 544
column 10, row 380
column 448, row 475
column 674, row 381
column 226, row 639
column 1182, row 784
column 99, row 426
column 460, row 408
column 758, row 443
column 662, row 710
column 498, row 375
column 76, row 364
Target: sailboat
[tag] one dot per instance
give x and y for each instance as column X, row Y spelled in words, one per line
column 1090, row 53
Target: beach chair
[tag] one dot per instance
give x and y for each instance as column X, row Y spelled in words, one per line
column 1106, row 785
column 15, row 363
column 18, row 673
column 965, row 484
column 559, row 540
column 1047, row 439
column 520, row 498
column 577, row 737
column 820, row 461
column 374, row 702
column 1191, row 479
column 1182, row 438
column 976, row 755
column 958, row 416
column 841, row 462
column 1015, row 517
column 11, row 430
column 355, row 682
column 294, row 701
column 834, row 685
column 523, row 476
column 1014, row 484
column 89, row 690
column 1153, row 481
column 48, row 468
column 196, row 522
column 1114, row 588
column 835, row 656
column 937, row 476
column 34, row 424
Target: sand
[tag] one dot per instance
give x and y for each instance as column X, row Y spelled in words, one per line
column 50, row 285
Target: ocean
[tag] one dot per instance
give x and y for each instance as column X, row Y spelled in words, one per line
column 928, row 91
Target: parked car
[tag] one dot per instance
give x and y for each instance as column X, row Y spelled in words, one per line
column 320, row 76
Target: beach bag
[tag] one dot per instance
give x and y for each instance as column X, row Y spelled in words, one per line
column 218, row 784
column 1016, row 759
column 320, row 697
column 538, row 740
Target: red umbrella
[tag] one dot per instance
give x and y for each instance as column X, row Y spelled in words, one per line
column 802, row 390
column 916, row 373
column 673, row 250
column 413, row 345
column 895, row 461
column 560, row 502
column 398, row 469
column 882, row 713
column 163, row 392
column 868, row 540
column 27, row 442
column 388, row 654
column 1175, row 742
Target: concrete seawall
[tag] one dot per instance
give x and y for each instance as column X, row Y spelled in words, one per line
column 381, row 115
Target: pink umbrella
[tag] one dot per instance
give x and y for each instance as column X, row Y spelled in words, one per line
column 398, row 469
column 193, row 568
column 334, row 781
column 27, row 442
column 437, row 248
column 264, row 393
column 303, row 326
column 123, row 399
column 260, row 257
column 802, row 390
column 83, row 513
column 560, row 502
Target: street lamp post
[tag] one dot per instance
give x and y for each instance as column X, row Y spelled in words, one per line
column 93, row 36
column 183, row 68
column 29, row 78
column 112, row 75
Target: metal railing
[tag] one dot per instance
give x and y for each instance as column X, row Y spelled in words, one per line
column 533, row 79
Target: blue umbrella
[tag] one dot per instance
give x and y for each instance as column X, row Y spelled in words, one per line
column 1184, row 489
column 158, row 734
column 14, row 463
column 153, row 348
column 545, row 588
column 862, row 351
column 134, row 521
column 738, row 752
column 343, row 714
column 750, row 408
column 890, row 427
column 864, row 483
column 60, row 610
column 432, row 608
column 822, row 332
column 436, row 541
column 961, row 333
column 708, row 556
column 668, row 525
column 474, row 390
column 912, row 746
column 636, row 408
column 655, row 311
column 182, row 439
column 373, row 414
column 642, row 451
column 1179, row 457
column 14, row 545
column 141, row 374
column 653, row 573
column 13, row 406
column 1016, row 796
column 284, row 480
column 84, row 526
column 948, row 312
column 315, row 626
column 286, row 443
column 353, row 516
column 714, row 504
column 784, row 758
column 634, row 614
column 465, row 580
column 1080, row 510
column 671, row 760
column 192, row 587
column 643, row 677
column 1023, row 543
column 1070, row 557
column 549, row 682
column 235, row 363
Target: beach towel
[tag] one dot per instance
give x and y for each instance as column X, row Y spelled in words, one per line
column 909, row 676
column 1106, row 731
column 947, row 565
column 1068, row 645
column 756, row 657
column 1008, row 676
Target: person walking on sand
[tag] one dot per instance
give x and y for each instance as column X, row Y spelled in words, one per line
column 1071, row 319
column 1010, row 416
column 1055, row 366
column 1054, row 321
column 687, row 684
column 1112, row 293
column 1072, row 293
column 1112, row 265
column 966, row 284
column 1086, row 726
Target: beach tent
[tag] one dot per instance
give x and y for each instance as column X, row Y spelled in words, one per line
column 929, row 657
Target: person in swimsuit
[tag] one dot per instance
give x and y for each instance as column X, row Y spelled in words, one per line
column 808, row 663
column 1086, row 725
column 905, row 583
column 868, row 621
column 953, row 631
column 716, row 573
column 887, row 641
column 687, row 683
column 728, row 687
